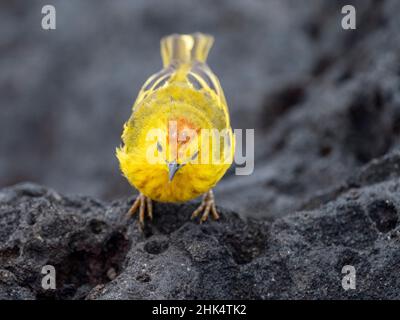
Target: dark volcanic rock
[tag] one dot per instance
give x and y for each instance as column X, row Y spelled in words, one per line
column 99, row 255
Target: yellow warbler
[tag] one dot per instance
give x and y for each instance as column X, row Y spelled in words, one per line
column 178, row 142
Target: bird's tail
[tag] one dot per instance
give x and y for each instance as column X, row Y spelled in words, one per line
column 185, row 48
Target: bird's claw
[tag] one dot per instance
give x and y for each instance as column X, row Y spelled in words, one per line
column 142, row 202
column 207, row 205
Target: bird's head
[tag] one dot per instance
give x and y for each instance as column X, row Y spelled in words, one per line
column 179, row 144
column 176, row 145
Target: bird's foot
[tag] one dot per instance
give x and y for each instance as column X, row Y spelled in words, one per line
column 207, row 205
column 142, row 202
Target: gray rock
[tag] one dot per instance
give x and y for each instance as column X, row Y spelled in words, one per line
column 97, row 254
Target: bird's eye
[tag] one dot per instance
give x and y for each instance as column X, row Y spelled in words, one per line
column 159, row 147
column 194, row 156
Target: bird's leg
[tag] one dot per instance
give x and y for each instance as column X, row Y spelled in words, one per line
column 207, row 205
column 141, row 202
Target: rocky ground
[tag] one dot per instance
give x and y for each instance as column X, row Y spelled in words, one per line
column 325, row 106
column 97, row 254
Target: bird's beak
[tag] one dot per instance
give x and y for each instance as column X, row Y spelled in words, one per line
column 173, row 167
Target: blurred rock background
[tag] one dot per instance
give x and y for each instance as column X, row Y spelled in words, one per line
column 323, row 101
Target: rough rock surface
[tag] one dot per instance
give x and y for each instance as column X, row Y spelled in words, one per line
column 98, row 255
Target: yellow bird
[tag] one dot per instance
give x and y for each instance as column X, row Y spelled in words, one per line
column 178, row 142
